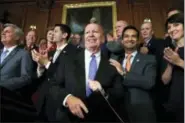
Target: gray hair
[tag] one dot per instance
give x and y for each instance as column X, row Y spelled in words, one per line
column 18, row 31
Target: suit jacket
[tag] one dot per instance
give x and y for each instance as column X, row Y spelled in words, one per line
column 71, row 80
column 48, row 79
column 16, row 69
column 140, row 80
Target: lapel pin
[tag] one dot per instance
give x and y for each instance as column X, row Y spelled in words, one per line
column 64, row 51
column 137, row 60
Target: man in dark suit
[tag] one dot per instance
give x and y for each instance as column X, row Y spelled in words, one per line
column 47, row 69
column 139, row 73
column 16, row 63
column 75, row 94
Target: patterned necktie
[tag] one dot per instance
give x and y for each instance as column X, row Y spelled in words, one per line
column 92, row 73
column 3, row 55
column 128, row 62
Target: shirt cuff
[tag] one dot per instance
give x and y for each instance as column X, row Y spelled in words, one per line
column 65, row 99
column 40, row 71
column 47, row 65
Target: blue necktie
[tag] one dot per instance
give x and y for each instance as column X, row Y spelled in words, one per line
column 92, row 73
column 3, row 55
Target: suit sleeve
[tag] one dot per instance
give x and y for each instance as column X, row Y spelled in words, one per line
column 144, row 80
column 26, row 73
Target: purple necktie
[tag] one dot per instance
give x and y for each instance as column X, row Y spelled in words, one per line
column 92, row 73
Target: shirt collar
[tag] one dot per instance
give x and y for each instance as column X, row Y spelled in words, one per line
column 133, row 54
column 62, row 47
column 10, row 48
column 88, row 53
column 148, row 40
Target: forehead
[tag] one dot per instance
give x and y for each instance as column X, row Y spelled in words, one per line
column 31, row 33
column 93, row 27
column 9, row 28
column 120, row 23
column 146, row 25
column 130, row 32
column 57, row 28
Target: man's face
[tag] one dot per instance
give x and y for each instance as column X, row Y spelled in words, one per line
column 146, row 31
column 172, row 13
column 50, row 35
column 76, row 39
column 8, row 36
column 130, row 39
column 93, row 36
column 58, row 34
column 30, row 38
column 120, row 25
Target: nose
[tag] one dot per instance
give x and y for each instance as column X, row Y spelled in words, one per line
column 91, row 34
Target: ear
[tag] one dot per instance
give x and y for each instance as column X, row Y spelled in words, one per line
column 64, row 35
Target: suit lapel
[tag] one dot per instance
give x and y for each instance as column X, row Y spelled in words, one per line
column 135, row 61
column 80, row 69
column 101, row 68
column 9, row 57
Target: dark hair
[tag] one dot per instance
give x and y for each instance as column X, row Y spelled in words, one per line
column 130, row 27
column 65, row 29
column 176, row 18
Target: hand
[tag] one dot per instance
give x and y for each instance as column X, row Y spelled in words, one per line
column 144, row 50
column 94, row 85
column 40, row 59
column 109, row 38
column 76, row 106
column 118, row 66
column 172, row 56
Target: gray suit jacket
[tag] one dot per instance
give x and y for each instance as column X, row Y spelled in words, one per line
column 16, row 69
column 141, row 79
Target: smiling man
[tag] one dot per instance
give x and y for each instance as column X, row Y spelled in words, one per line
column 139, row 72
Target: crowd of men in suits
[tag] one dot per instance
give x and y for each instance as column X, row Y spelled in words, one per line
column 102, row 79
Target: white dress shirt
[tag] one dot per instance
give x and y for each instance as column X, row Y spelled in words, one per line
column 40, row 70
column 87, row 61
column 131, row 60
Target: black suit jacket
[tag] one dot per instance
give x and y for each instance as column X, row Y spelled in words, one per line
column 70, row 79
column 49, row 78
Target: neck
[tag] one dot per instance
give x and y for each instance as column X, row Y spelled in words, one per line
column 147, row 39
column 129, row 51
column 59, row 44
column 94, row 50
column 180, row 43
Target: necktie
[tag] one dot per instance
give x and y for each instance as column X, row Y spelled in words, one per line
column 3, row 55
column 128, row 62
column 92, row 73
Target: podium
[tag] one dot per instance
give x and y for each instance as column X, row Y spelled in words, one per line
column 14, row 108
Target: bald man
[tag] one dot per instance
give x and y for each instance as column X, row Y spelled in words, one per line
column 114, row 46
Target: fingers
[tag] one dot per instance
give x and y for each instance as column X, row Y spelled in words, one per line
column 94, row 85
column 82, row 105
column 168, row 51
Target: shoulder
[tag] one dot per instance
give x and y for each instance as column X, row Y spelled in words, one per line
column 147, row 57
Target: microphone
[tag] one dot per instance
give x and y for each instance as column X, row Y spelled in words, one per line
column 102, row 92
